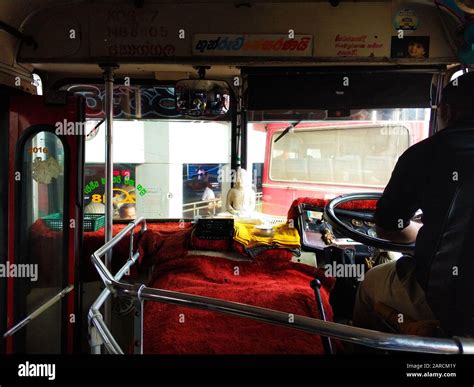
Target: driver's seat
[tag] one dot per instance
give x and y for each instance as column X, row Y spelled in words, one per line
column 450, row 290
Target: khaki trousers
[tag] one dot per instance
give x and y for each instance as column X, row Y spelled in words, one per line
column 382, row 284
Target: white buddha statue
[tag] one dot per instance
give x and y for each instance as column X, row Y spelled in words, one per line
column 241, row 198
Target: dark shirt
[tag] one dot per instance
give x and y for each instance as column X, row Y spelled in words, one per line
column 425, row 177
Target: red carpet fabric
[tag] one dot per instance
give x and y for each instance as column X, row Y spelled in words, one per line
column 211, row 244
column 170, row 241
column 270, row 283
column 42, row 241
column 355, row 205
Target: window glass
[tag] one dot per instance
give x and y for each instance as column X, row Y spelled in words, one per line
column 42, row 209
column 162, row 169
column 363, row 155
column 202, row 189
column 330, row 156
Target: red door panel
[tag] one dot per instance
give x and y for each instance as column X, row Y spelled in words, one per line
column 45, row 176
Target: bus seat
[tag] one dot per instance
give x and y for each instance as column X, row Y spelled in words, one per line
column 348, row 169
column 321, row 170
column 297, row 169
column 278, row 169
column 377, row 169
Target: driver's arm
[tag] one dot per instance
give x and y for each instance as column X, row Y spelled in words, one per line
column 400, row 200
column 407, row 235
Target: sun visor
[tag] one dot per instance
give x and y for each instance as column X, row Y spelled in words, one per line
column 370, row 89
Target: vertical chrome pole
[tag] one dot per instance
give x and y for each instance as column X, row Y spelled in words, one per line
column 239, row 124
column 108, row 71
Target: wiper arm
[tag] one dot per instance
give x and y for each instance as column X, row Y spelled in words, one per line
column 94, row 131
column 287, row 130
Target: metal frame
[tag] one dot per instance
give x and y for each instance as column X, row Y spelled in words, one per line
column 100, row 334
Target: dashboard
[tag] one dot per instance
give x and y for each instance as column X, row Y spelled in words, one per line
column 312, row 221
column 317, row 235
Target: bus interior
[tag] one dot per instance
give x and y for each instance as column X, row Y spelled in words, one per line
column 244, row 144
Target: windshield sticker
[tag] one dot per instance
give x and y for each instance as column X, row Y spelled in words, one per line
column 406, row 20
column 416, row 47
column 357, row 45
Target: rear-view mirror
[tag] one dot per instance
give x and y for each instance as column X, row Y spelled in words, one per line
column 202, row 97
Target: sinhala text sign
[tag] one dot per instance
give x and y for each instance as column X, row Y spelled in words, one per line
column 263, row 45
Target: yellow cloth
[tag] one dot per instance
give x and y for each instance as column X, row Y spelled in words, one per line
column 284, row 237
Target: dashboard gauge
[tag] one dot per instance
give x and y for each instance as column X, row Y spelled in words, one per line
column 372, row 233
column 357, row 223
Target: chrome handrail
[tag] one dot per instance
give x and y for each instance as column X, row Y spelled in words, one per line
column 361, row 336
column 95, row 317
column 39, row 310
column 98, row 331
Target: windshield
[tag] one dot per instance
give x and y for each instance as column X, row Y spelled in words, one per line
column 162, row 169
column 327, row 158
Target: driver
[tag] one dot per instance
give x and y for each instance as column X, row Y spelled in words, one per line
column 424, row 178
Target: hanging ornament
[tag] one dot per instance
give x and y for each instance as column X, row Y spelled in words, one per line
column 43, row 171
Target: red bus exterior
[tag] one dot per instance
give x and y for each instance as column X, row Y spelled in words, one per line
column 278, row 195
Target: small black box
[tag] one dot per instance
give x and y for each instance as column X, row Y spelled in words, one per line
column 214, row 228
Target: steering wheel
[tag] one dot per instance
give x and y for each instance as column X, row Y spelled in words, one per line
column 331, row 215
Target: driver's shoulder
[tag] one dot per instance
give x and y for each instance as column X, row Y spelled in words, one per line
column 418, row 152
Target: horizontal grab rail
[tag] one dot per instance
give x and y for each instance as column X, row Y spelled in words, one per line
column 370, row 338
column 116, row 239
column 41, row 309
